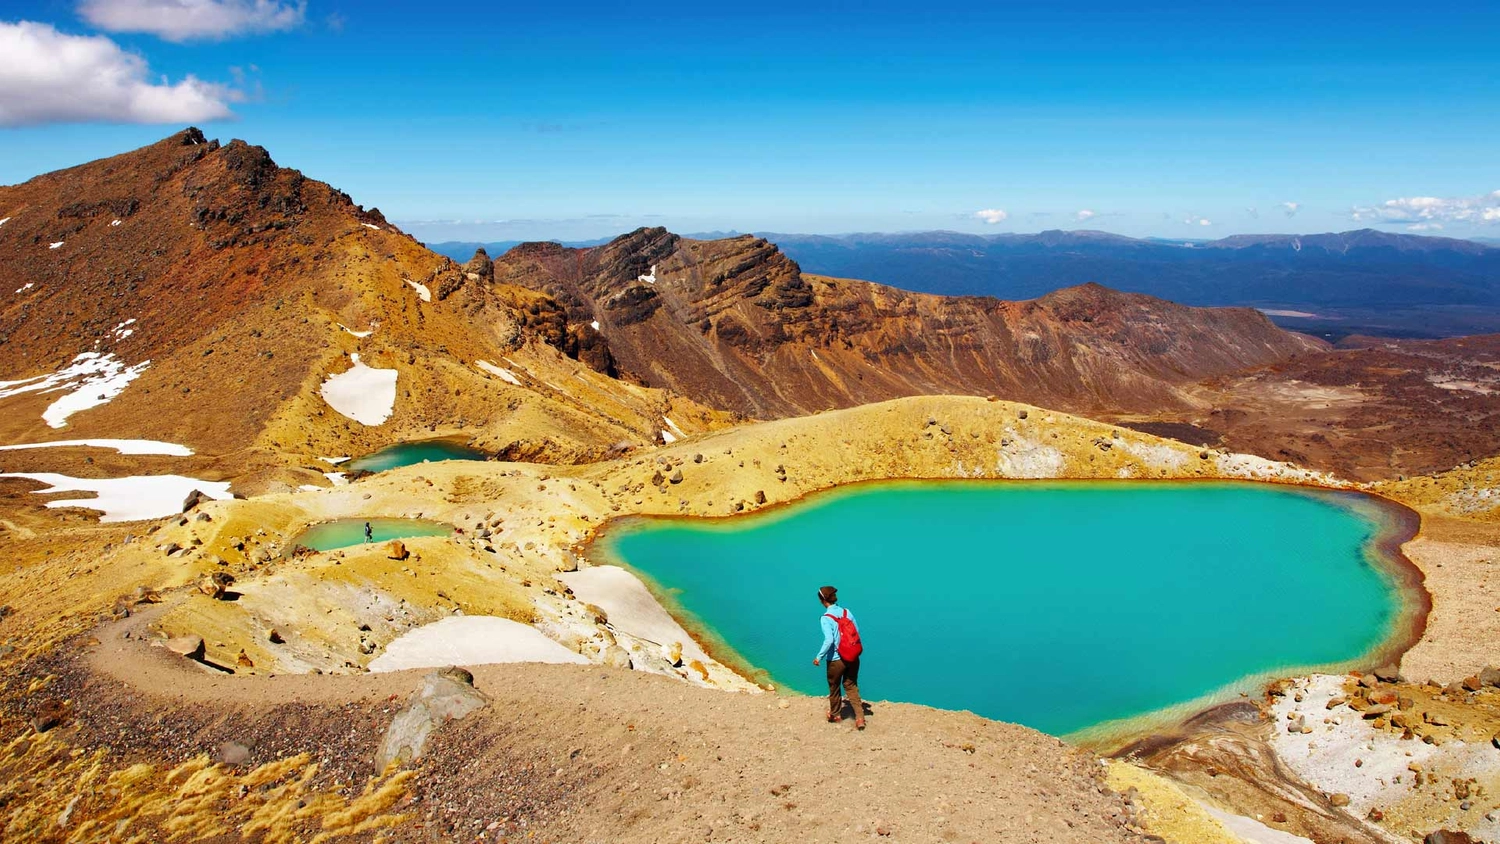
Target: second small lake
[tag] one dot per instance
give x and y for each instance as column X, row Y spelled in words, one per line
column 344, row 533
column 412, row 453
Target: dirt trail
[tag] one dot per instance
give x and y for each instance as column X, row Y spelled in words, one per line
column 591, row 754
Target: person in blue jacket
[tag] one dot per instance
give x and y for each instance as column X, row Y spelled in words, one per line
column 841, row 672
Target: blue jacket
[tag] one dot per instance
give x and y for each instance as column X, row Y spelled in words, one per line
column 830, row 649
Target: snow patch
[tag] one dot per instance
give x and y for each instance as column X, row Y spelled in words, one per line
column 25, row 287
column 370, row 226
column 471, row 640
column 114, row 223
column 334, row 461
column 91, row 379
column 360, row 334
column 673, row 426
column 124, row 330
column 309, row 488
column 366, row 395
column 121, row 446
column 56, row 245
column 336, row 478
column 126, row 499
column 595, row 324
column 4, row 221
column 498, row 371
column 649, row 278
column 422, row 291
column 668, row 437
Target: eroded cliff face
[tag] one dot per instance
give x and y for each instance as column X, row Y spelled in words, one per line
column 736, row 324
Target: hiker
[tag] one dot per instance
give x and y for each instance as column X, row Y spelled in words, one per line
column 369, row 533
column 842, row 648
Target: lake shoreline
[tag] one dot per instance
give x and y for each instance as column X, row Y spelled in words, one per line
column 1395, row 525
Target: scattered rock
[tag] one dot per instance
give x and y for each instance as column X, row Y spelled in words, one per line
column 616, row 657
column 396, row 550
column 243, row 660
column 215, row 585
column 1388, row 673
column 760, row 496
column 1490, row 676
column 193, row 499
column 676, row 477
column 274, row 637
column 1473, row 684
column 673, row 653
column 49, row 715
column 188, row 646
column 445, row 696
column 1339, row 800
column 232, row 753
column 1445, row 836
column 1021, row 414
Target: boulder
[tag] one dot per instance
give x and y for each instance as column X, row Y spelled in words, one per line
column 1339, row 800
column 446, row 695
column 1490, row 676
column 193, row 499
column 760, row 496
column 1473, row 684
column 396, row 550
column 673, row 653
column 188, row 646
column 1445, row 836
column 243, row 660
column 1388, row 673
column 676, row 477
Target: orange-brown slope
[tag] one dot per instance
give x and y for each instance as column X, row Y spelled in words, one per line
column 243, row 284
column 736, row 324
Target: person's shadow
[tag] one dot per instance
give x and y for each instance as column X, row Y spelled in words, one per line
column 847, row 709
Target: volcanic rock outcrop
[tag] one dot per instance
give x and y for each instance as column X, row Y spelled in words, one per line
column 735, row 324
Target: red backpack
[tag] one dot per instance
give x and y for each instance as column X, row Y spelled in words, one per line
column 849, row 645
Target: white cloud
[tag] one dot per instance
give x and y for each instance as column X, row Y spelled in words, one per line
column 1430, row 209
column 1291, row 208
column 1425, row 227
column 186, row 20
column 1252, row 212
column 1085, row 215
column 1195, row 220
column 991, row 215
column 49, row 77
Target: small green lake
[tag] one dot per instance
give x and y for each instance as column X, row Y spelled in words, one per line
column 1065, row 606
column 343, row 533
column 412, row 453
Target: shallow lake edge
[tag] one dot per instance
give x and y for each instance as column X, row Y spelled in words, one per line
column 1396, row 524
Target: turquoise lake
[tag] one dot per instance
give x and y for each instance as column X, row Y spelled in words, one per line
column 1058, row 605
column 412, row 453
column 344, row 533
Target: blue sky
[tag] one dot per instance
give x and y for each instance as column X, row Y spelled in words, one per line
column 574, row 120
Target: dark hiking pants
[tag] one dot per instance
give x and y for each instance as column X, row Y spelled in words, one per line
column 846, row 674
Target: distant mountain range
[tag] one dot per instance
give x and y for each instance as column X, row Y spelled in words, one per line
column 1363, row 282
column 1333, row 285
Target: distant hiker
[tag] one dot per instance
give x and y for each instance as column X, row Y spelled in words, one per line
column 369, row 533
column 842, row 648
